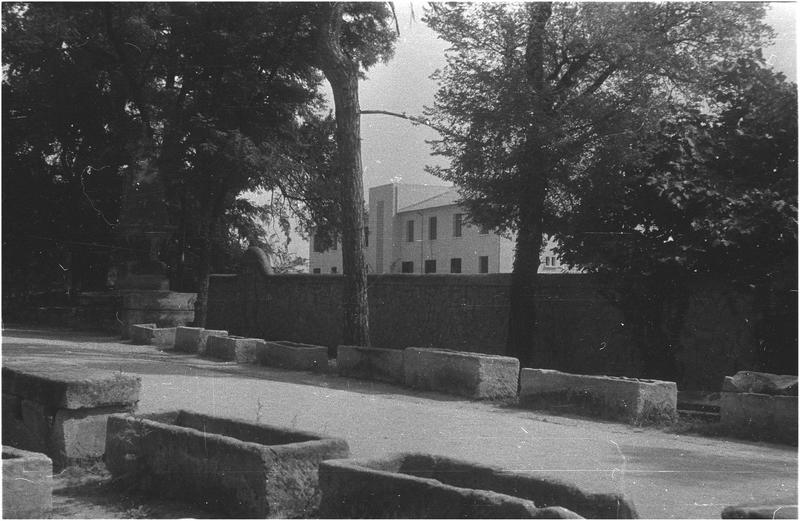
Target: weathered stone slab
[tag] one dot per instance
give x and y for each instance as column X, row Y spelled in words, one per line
column 414, row 486
column 370, row 363
column 232, row 348
column 60, row 409
column 760, row 415
column 785, row 510
column 27, row 484
column 194, row 339
column 761, row 383
column 236, row 468
column 69, row 386
column 292, row 355
column 628, row 399
column 474, row 375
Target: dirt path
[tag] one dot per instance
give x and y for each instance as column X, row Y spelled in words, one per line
column 667, row 475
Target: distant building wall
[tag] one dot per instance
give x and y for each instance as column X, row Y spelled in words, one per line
column 393, row 206
column 580, row 329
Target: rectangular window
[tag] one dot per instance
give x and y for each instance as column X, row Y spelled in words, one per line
column 366, row 236
column 410, row 231
column 432, row 228
column 407, row 267
column 430, row 266
column 547, row 261
column 483, row 264
column 317, row 271
column 318, row 242
column 457, row 222
column 554, row 261
column 334, row 270
column 455, row 265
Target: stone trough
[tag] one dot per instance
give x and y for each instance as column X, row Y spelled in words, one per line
column 474, row 375
column 60, row 409
column 149, row 334
column 194, row 339
column 27, row 484
column 231, row 467
column 415, row 486
column 370, row 363
column 760, row 405
column 292, row 355
column 232, row 348
column 627, row 399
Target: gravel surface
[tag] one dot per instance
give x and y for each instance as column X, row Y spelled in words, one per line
column 667, row 475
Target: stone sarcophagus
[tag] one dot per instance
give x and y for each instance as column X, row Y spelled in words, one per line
column 232, row 467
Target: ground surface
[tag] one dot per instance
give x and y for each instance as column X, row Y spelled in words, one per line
column 667, row 475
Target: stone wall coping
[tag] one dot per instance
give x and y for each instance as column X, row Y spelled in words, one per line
column 69, row 386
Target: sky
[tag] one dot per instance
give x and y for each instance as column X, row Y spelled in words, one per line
column 395, row 148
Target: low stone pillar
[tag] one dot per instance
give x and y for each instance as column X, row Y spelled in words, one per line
column 232, row 348
column 27, row 484
column 631, row 400
column 292, row 355
column 474, row 375
column 61, row 409
column 194, row 339
column 234, row 467
column 370, row 363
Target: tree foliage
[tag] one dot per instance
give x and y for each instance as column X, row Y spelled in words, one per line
column 538, row 98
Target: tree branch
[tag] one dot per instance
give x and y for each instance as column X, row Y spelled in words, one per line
column 416, row 120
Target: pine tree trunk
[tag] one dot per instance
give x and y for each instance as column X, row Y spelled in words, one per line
column 342, row 74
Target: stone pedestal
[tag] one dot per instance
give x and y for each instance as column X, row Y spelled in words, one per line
column 60, row 409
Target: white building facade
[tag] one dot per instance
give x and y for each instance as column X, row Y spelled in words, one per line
column 420, row 229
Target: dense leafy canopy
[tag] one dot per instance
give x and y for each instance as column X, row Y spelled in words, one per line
column 647, row 136
column 212, row 99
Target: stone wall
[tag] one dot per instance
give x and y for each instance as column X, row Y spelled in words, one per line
column 581, row 330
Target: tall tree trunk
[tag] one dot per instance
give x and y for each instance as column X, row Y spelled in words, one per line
column 533, row 192
column 342, row 74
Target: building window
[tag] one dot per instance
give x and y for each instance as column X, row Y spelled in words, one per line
column 430, row 266
column 407, row 267
column 483, row 264
column 334, row 269
column 317, row 271
column 554, row 261
column 547, row 261
column 410, row 231
column 366, row 236
column 455, row 265
column 432, row 228
column 457, row 223
column 318, row 242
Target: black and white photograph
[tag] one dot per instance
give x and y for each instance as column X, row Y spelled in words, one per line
column 399, row 260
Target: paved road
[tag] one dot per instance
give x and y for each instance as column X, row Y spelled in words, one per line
column 667, row 475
